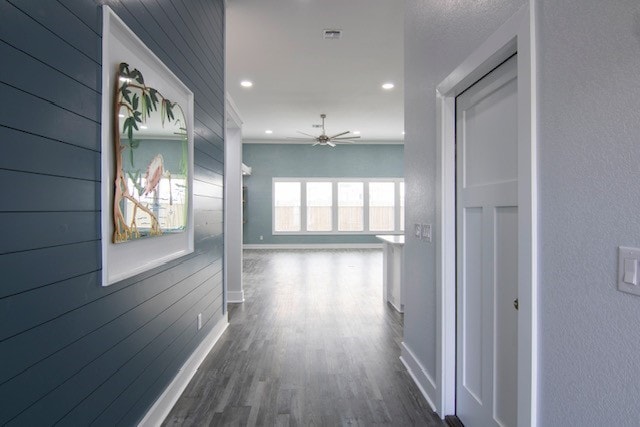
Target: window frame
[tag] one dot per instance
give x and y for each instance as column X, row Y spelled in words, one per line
column 334, row 207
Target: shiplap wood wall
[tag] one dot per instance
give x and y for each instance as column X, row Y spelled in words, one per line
column 72, row 351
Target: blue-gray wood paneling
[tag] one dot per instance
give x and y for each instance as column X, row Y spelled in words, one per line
column 74, row 352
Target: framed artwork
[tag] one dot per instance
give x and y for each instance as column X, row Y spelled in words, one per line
column 147, row 157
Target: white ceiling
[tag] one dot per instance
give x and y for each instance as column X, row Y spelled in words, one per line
column 297, row 75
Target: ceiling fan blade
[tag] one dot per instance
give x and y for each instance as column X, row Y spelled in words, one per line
column 345, row 141
column 346, row 137
column 331, row 144
column 300, row 139
column 312, row 136
column 339, row 134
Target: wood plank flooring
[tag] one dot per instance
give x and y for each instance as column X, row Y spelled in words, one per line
column 313, row 345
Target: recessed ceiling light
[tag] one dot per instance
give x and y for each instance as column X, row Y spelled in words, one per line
column 269, row 131
column 246, row 83
column 387, row 86
column 356, row 132
column 143, row 127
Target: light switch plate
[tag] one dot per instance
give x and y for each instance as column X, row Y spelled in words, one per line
column 628, row 274
column 426, row 232
column 417, row 230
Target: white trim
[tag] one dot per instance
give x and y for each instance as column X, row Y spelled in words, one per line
column 163, row 405
column 316, row 246
column 515, row 35
column 419, row 374
column 232, row 200
column 232, row 111
column 235, row 297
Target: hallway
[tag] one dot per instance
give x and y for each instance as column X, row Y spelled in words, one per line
column 313, row 344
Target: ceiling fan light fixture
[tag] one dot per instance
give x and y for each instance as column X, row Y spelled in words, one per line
column 324, row 139
column 388, row 86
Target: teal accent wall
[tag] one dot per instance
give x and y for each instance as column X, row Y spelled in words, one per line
column 297, row 160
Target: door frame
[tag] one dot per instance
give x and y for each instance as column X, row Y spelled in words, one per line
column 232, row 211
column 516, row 35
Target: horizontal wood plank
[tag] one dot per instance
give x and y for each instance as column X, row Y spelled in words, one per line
column 40, row 267
column 20, row 151
column 87, row 12
column 47, row 48
column 29, row 192
column 32, row 114
column 36, row 77
column 45, row 303
column 35, row 230
column 64, row 24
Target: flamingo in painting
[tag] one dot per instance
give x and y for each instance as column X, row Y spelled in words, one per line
column 155, row 170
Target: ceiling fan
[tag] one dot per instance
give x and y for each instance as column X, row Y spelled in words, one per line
column 323, row 139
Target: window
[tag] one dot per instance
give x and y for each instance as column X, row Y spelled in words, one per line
column 286, row 202
column 338, row 205
column 350, row 206
column 319, row 206
column 401, row 203
column 382, row 206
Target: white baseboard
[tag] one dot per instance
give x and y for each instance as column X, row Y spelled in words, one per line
column 315, row 246
column 235, row 296
column 163, row 405
column 419, row 375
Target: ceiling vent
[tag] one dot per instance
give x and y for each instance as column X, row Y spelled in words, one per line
column 332, row 34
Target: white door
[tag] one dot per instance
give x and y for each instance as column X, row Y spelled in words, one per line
column 487, row 249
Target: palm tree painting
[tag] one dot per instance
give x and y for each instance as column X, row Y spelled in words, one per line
column 151, row 161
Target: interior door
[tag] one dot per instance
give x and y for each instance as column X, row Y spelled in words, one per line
column 487, row 249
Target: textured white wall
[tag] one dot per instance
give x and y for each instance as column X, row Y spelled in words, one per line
column 589, row 202
column 589, row 148
column 439, row 35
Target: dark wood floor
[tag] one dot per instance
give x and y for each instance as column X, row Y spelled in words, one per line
column 313, row 345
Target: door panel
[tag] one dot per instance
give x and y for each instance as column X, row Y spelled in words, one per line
column 472, row 294
column 506, row 319
column 488, row 123
column 487, row 254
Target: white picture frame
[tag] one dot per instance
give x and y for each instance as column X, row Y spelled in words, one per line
column 127, row 259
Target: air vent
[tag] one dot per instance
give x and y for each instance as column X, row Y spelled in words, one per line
column 332, row 34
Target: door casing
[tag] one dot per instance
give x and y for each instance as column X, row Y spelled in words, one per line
column 517, row 35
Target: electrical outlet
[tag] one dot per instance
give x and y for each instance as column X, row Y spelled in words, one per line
column 417, row 230
column 199, row 321
column 426, row 232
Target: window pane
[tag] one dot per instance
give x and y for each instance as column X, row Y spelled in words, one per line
column 381, row 206
column 286, row 200
column 402, row 206
column 350, row 206
column 319, row 206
